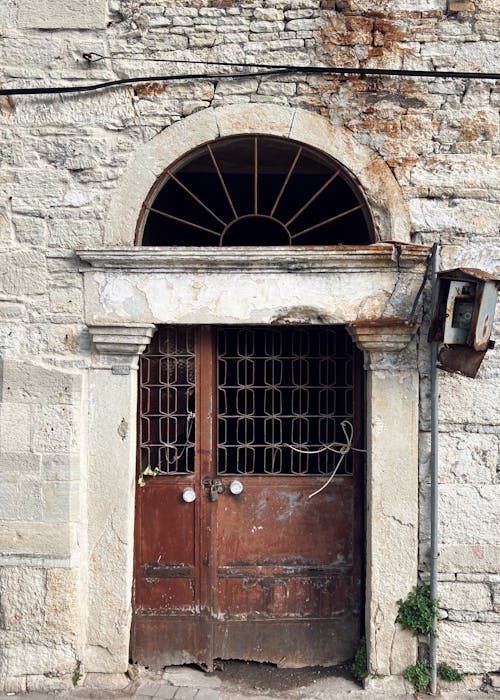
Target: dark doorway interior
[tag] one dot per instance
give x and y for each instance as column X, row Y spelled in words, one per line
column 255, row 191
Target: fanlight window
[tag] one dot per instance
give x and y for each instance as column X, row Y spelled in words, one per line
column 255, row 191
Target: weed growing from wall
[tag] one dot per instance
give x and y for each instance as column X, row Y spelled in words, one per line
column 359, row 667
column 417, row 611
column 417, row 614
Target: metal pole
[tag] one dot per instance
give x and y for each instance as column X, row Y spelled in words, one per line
column 434, row 476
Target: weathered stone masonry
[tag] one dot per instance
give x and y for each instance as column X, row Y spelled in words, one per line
column 74, row 170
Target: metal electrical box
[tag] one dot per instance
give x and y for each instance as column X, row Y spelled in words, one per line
column 462, row 318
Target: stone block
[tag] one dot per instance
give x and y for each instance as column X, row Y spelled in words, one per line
column 202, row 39
column 455, row 172
column 60, row 467
column 50, row 540
column 31, row 230
column 22, row 601
column 20, row 498
column 62, row 604
column 24, row 383
column 469, row 514
column 462, row 401
column 471, row 647
column 473, row 597
column 269, row 14
column 299, row 25
column 15, row 424
column 262, row 27
column 39, row 659
column 469, row 557
column 468, row 458
column 61, row 14
column 66, row 300
column 55, row 429
column 387, row 686
column 48, row 684
column 257, row 118
column 12, row 310
column 20, row 464
column 13, row 684
column 457, row 216
column 75, row 233
column 60, row 501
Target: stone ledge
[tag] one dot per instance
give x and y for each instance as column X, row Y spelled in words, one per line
column 369, row 258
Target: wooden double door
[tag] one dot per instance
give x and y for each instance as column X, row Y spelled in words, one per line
column 236, row 556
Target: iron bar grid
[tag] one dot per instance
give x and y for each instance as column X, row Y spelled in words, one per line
column 167, row 391
column 279, row 391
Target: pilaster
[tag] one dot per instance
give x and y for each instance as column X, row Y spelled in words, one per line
column 392, row 487
column 111, row 491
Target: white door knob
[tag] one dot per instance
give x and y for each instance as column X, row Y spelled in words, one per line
column 188, row 495
column 236, row 487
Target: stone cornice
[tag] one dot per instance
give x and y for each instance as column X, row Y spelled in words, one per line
column 342, row 258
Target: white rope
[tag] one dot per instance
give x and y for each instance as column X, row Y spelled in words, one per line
column 340, row 448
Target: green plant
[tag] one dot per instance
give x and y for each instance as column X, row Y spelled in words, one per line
column 448, row 673
column 419, row 675
column 76, row 675
column 417, row 611
column 359, row 666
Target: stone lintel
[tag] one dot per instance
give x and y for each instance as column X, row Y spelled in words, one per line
column 341, row 258
column 121, row 345
column 383, row 335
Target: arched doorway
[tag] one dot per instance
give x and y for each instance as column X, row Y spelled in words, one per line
column 132, row 290
column 249, row 536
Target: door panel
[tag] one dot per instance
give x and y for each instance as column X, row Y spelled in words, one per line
column 271, row 574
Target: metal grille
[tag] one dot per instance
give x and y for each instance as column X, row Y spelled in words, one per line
column 280, row 391
column 255, row 191
column 167, row 386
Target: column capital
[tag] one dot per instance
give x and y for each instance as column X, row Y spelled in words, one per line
column 119, row 346
column 384, row 335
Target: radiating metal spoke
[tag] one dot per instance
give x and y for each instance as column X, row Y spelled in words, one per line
column 288, row 176
column 216, row 166
column 327, row 221
column 183, row 221
column 315, row 196
column 268, row 179
column 196, row 199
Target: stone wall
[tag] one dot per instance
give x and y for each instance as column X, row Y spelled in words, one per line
column 61, row 159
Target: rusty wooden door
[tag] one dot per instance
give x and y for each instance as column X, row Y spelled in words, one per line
column 236, row 555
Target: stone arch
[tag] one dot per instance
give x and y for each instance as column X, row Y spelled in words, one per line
column 383, row 193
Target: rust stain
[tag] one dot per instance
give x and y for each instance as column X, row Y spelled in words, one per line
column 480, row 127
column 150, row 89
column 347, row 30
column 390, row 127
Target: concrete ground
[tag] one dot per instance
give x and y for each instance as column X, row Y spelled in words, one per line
column 239, row 681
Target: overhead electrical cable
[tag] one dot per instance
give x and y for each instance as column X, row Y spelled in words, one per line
column 261, row 70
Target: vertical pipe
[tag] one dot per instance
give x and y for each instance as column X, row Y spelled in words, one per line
column 434, row 475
